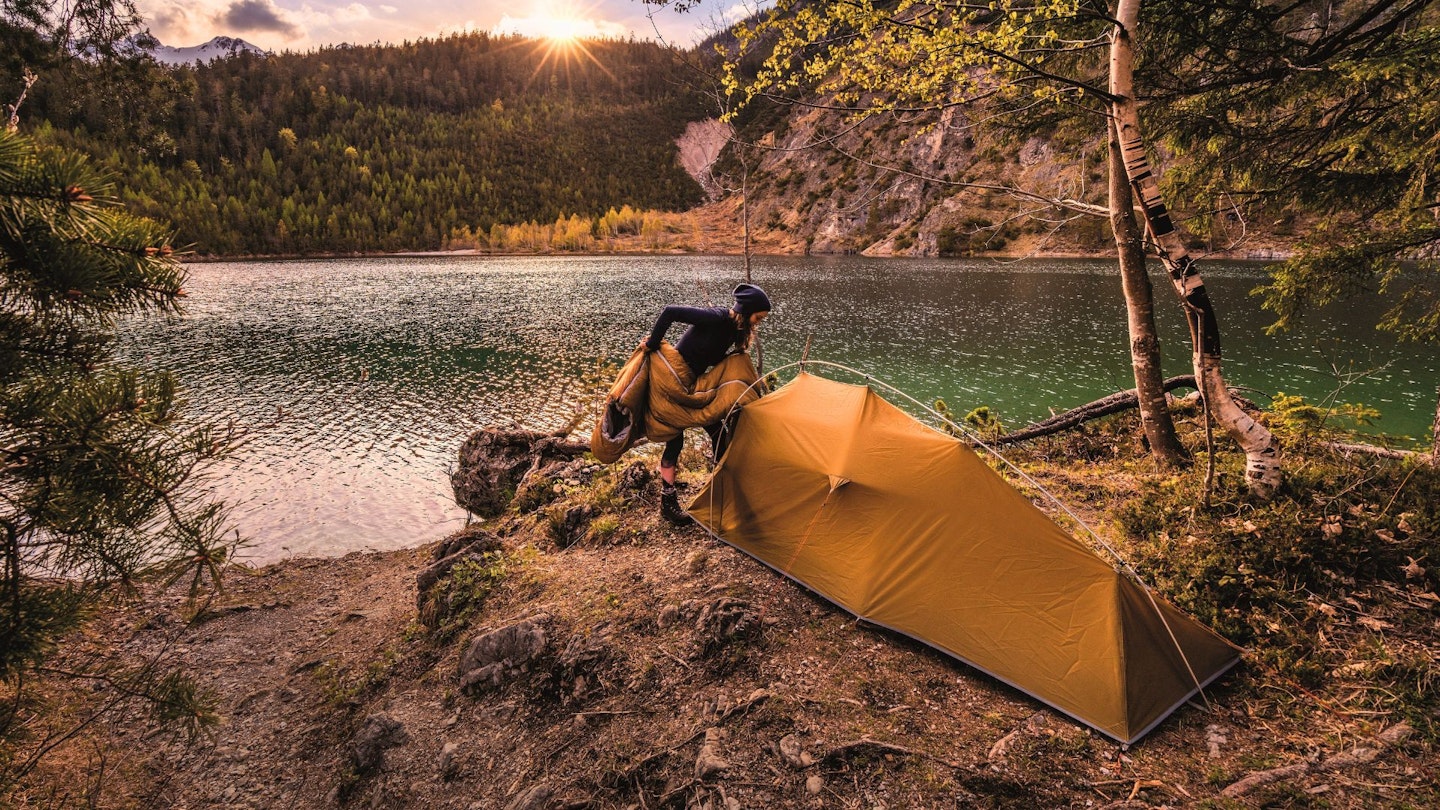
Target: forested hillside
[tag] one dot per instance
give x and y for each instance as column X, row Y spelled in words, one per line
column 392, row 147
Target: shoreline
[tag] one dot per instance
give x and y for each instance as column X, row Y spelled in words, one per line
column 1258, row 255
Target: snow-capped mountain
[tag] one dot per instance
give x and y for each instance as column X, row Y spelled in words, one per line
column 217, row 48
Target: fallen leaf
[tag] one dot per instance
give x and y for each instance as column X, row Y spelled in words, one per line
column 1413, row 570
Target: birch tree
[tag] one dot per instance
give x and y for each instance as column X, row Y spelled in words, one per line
column 1262, row 451
column 1003, row 61
column 1328, row 116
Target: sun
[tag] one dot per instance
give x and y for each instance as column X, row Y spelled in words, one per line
column 562, row 30
column 565, row 32
column 557, row 23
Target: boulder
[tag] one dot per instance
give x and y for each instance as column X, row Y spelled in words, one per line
column 379, row 734
column 495, row 658
column 493, row 463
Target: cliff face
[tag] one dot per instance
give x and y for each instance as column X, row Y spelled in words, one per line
column 821, row 184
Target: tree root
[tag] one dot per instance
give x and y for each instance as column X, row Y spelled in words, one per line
column 757, row 697
column 1348, row 759
column 867, row 744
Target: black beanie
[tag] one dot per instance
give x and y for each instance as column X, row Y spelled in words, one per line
column 750, row 299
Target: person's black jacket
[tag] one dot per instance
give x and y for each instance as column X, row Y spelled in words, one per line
column 711, row 335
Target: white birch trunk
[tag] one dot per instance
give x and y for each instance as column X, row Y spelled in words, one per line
column 1140, row 310
column 1262, row 452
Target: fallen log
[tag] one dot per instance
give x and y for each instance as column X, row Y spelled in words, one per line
column 1380, row 452
column 1106, row 406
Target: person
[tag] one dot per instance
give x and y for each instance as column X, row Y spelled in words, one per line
column 713, row 333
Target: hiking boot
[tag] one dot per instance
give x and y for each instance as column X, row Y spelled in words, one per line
column 671, row 511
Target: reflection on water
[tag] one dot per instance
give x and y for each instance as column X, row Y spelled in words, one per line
column 379, row 368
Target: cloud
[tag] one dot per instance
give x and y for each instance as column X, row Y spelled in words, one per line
column 301, row 24
column 260, row 15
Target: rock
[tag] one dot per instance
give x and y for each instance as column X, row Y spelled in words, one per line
column 494, row 658
column 1214, row 738
column 815, row 784
column 536, row 798
column 727, row 620
column 542, row 484
column 580, row 667
column 710, row 762
column 493, row 462
column 468, row 543
column 447, row 765
column 697, row 560
column 638, row 479
column 571, row 526
column 794, row 753
column 379, row 734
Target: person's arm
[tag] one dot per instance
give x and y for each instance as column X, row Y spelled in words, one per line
column 671, row 314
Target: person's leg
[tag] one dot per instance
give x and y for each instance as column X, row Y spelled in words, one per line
column 719, row 434
column 669, row 459
column 669, row 498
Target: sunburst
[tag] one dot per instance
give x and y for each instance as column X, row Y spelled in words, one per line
column 563, row 30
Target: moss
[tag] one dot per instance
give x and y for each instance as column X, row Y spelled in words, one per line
column 462, row 595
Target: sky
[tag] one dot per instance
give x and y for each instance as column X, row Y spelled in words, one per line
column 300, row 25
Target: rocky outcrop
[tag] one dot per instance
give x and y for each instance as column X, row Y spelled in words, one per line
column 700, row 145
column 495, row 658
column 494, row 464
column 470, row 543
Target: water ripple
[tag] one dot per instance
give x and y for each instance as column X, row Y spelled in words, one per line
column 382, row 367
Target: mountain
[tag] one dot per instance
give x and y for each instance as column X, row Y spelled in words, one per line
column 385, row 147
column 217, row 48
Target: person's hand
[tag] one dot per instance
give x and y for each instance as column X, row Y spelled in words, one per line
column 644, row 344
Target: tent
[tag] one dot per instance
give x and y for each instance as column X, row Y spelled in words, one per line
column 907, row 528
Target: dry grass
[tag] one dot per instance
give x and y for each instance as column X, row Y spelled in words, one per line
column 1342, row 644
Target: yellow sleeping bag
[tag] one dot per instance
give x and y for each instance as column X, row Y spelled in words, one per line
column 655, row 398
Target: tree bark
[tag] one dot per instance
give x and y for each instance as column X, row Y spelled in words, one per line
column 1435, row 431
column 1262, row 452
column 1140, row 308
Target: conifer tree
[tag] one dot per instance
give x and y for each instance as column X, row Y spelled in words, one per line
column 100, row 479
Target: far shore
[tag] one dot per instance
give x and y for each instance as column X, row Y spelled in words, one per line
column 1254, row 255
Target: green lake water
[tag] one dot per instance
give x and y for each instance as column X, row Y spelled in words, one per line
column 381, row 367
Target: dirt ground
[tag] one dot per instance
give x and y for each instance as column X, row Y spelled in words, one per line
column 678, row 673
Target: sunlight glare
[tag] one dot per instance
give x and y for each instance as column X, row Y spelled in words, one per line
column 560, row 23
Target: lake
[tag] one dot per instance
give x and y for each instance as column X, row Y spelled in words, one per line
column 358, row 379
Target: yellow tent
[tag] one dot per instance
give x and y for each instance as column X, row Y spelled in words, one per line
column 907, row 528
